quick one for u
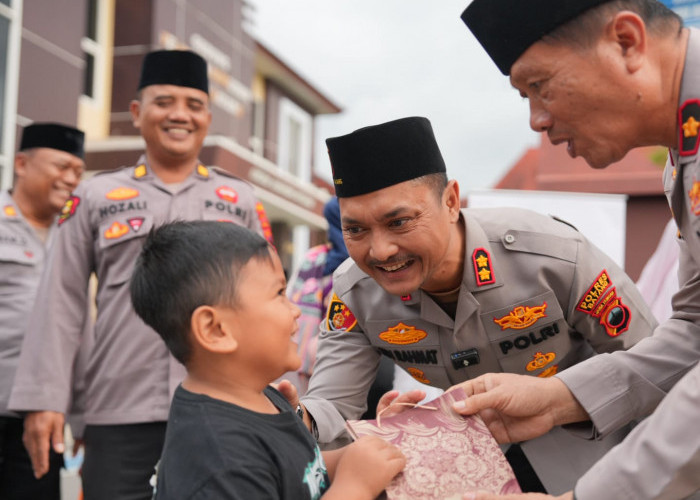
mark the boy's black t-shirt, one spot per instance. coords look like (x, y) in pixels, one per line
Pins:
(217, 450)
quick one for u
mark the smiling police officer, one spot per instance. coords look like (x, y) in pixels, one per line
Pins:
(47, 167)
(450, 294)
(605, 77)
(130, 373)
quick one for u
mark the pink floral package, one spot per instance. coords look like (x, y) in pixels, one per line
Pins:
(446, 454)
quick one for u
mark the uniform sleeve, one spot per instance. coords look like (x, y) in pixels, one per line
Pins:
(659, 459)
(346, 365)
(638, 379)
(44, 374)
(605, 306)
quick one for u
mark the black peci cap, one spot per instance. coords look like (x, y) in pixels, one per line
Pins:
(183, 68)
(380, 156)
(507, 28)
(55, 136)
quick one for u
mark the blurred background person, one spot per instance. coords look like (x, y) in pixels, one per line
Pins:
(47, 168)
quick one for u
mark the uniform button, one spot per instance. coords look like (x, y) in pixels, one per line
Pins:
(509, 238)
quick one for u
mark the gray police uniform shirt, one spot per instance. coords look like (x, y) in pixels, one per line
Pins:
(22, 255)
(536, 298)
(130, 374)
(660, 459)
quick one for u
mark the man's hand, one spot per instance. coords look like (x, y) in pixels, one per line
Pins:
(43, 430)
(481, 495)
(519, 407)
(289, 391)
(393, 402)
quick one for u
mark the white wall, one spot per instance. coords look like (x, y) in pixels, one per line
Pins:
(602, 218)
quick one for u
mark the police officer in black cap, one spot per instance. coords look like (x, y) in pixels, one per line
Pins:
(47, 168)
(604, 77)
(130, 374)
(449, 294)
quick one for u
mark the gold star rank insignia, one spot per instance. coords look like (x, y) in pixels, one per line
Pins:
(140, 171)
(483, 272)
(689, 127)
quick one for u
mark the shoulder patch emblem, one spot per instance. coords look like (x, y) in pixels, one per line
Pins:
(140, 171)
(594, 293)
(10, 211)
(483, 271)
(202, 171)
(522, 317)
(688, 125)
(402, 334)
(339, 318)
(264, 222)
(601, 301)
(68, 209)
(227, 194)
(116, 230)
(122, 193)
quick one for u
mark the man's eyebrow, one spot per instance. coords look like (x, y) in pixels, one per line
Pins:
(389, 215)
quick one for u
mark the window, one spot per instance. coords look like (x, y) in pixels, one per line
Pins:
(92, 50)
(295, 140)
(10, 32)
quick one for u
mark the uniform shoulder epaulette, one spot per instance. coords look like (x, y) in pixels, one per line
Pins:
(689, 127)
(564, 222)
(347, 276)
(226, 173)
(112, 170)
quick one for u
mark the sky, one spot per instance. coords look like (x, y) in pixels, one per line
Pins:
(380, 60)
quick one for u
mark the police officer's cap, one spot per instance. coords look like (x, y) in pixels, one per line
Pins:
(55, 136)
(379, 156)
(183, 68)
(507, 28)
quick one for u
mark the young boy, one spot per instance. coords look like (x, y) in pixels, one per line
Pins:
(215, 293)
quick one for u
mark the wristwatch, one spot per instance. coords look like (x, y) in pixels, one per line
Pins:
(300, 413)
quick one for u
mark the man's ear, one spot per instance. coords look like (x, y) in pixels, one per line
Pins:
(451, 199)
(210, 332)
(20, 165)
(629, 32)
(135, 110)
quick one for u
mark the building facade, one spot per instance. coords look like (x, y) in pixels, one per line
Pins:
(263, 111)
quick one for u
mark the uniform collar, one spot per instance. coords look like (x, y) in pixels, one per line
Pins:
(142, 171)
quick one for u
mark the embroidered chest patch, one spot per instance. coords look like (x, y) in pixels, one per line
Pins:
(522, 317)
(402, 334)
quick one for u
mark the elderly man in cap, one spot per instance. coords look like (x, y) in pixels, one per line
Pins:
(450, 294)
(130, 374)
(605, 77)
(48, 167)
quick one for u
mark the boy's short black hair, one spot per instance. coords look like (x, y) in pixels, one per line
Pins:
(184, 265)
